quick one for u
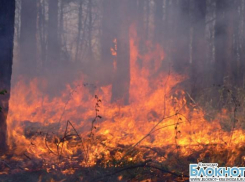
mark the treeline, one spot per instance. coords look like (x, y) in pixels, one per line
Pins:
(202, 38)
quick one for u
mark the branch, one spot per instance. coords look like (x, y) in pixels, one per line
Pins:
(144, 165)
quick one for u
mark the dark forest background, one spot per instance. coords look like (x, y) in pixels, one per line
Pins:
(59, 39)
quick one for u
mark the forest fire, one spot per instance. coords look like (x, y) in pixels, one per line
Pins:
(83, 129)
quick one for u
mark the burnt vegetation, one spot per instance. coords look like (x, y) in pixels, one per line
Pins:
(120, 90)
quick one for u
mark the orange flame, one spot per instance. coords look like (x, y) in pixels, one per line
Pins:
(158, 116)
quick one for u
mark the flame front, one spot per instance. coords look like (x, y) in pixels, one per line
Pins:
(158, 116)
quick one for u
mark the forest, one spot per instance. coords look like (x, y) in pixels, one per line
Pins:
(120, 90)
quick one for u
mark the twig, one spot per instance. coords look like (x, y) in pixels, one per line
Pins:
(6, 164)
(166, 171)
(27, 156)
(93, 121)
(149, 133)
(144, 165)
(121, 170)
(65, 136)
(71, 93)
(74, 129)
(96, 114)
(46, 144)
(63, 139)
(190, 97)
(166, 126)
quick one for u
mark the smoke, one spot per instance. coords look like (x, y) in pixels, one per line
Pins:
(62, 40)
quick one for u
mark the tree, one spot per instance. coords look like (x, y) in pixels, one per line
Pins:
(79, 29)
(178, 34)
(121, 82)
(7, 14)
(90, 29)
(108, 34)
(236, 36)
(28, 43)
(158, 18)
(41, 32)
(141, 28)
(53, 50)
(222, 54)
(198, 45)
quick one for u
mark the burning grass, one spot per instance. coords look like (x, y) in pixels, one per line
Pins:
(110, 142)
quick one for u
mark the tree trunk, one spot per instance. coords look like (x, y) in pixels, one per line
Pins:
(239, 65)
(158, 18)
(42, 35)
(79, 28)
(198, 46)
(221, 38)
(61, 30)
(7, 14)
(53, 51)
(147, 4)
(28, 46)
(108, 35)
(141, 29)
(120, 86)
(179, 33)
(90, 58)
(242, 46)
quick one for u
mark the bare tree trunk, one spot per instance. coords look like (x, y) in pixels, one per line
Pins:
(242, 45)
(158, 18)
(53, 48)
(141, 29)
(42, 35)
(17, 20)
(234, 30)
(147, 19)
(198, 46)
(28, 43)
(61, 28)
(7, 14)
(221, 38)
(238, 71)
(179, 26)
(108, 35)
(79, 29)
(90, 30)
(120, 86)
